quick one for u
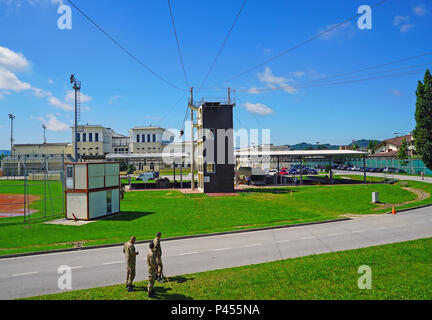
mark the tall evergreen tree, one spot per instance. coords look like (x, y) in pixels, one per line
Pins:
(403, 153)
(423, 115)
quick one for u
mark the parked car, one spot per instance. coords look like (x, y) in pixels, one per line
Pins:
(313, 171)
(293, 171)
(272, 172)
(155, 174)
(284, 172)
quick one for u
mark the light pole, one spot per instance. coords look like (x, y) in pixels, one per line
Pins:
(44, 129)
(77, 87)
(11, 117)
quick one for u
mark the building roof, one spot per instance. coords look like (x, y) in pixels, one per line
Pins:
(301, 153)
(389, 154)
(397, 141)
(56, 144)
(147, 128)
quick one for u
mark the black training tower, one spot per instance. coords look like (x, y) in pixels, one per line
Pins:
(215, 133)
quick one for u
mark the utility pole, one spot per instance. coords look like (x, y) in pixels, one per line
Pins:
(44, 129)
(192, 107)
(77, 88)
(229, 95)
(11, 117)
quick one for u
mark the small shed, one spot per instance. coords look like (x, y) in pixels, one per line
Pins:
(92, 190)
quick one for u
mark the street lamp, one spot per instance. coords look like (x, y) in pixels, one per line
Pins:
(77, 87)
(11, 117)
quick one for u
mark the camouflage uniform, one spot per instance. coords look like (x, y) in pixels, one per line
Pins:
(151, 267)
(130, 255)
(158, 253)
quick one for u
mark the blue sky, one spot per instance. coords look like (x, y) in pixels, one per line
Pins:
(36, 59)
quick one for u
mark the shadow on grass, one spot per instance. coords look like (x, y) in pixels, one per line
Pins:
(163, 293)
(179, 279)
(127, 216)
(270, 190)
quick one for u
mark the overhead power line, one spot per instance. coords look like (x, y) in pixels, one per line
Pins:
(318, 35)
(222, 46)
(125, 50)
(178, 44)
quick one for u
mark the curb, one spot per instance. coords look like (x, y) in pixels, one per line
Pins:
(409, 209)
(15, 255)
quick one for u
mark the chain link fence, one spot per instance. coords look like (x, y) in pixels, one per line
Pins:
(31, 188)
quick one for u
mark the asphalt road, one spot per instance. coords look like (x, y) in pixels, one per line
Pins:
(37, 275)
(384, 175)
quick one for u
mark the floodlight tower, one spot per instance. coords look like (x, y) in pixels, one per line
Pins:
(11, 117)
(77, 87)
(44, 129)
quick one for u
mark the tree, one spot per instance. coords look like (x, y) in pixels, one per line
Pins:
(403, 153)
(355, 146)
(123, 166)
(372, 144)
(423, 115)
(131, 169)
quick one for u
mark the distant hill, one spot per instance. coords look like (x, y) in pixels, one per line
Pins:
(362, 143)
(5, 152)
(309, 146)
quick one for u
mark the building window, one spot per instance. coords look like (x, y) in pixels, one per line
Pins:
(78, 137)
(148, 138)
(90, 137)
(84, 137)
(143, 138)
(97, 137)
(154, 137)
(137, 138)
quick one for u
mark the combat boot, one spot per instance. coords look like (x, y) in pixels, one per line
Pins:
(151, 294)
(130, 289)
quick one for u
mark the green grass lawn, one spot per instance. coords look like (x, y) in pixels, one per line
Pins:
(175, 214)
(399, 271)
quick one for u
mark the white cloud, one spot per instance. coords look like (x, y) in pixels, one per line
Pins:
(420, 11)
(41, 93)
(346, 29)
(50, 81)
(298, 74)
(9, 81)
(395, 92)
(52, 123)
(55, 102)
(403, 23)
(401, 19)
(258, 108)
(70, 97)
(405, 27)
(12, 60)
(112, 99)
(253, 90)
(274, 82)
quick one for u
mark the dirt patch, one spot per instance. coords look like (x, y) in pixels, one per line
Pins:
(421, 195)
(12, 205)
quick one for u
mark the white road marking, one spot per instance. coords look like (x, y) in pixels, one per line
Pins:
(113, 262)
(400, 225)
(380, 228)
(282, 241)
(253, 245)
(307, 238)
(23, 274)
(187, 253)
(358, 231)
(335, 234)
(78, 267)
(222, 249)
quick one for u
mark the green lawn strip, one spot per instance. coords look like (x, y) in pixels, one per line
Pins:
(176, 214)
(399, 271)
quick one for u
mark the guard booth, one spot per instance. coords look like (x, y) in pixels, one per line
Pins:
(92, 190)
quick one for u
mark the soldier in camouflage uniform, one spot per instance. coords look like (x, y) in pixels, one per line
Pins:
(158, 252)
(130, 255)
(152, 269)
